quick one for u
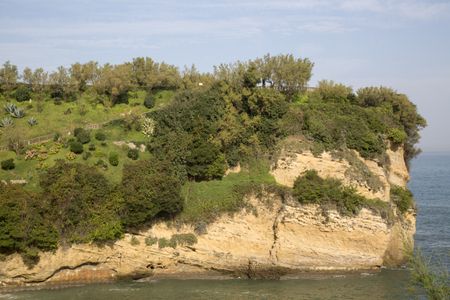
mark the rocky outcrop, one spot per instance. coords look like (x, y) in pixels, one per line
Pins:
(275, 237)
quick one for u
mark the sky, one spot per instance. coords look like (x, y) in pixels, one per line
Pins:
(403, 44)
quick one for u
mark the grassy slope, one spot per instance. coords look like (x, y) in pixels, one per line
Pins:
(53, 119)
(208, 199)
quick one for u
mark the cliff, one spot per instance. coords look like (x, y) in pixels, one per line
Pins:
(270, 238)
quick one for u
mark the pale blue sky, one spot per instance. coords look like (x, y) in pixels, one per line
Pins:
(404, 44)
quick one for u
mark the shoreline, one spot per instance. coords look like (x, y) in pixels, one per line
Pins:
(205, 275)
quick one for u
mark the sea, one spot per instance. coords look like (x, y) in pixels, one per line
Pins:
(430, 184)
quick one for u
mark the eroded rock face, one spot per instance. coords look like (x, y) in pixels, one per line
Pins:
(275, 235)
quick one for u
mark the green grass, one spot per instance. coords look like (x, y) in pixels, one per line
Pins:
(53, 118)
(204, 201)
(28, 169)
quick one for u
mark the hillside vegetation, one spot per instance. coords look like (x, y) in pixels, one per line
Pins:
(129, 144)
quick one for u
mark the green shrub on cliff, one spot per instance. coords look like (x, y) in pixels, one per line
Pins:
(149, 189)
(402, 197)
(311, 188)
(24, 225)
(84, 207)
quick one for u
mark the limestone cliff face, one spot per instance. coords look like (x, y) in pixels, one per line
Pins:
(274, 237)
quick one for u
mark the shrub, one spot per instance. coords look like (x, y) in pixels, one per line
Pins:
(25, 227)
(101, 164)
(397, 136)
(164, 243)
(310, 188)
(402, 197)
(185, 239)
(114, 159)
(84, 207)
(100, 136)
(77, 131)
(149, 188)
(133, 154)
(8, 164)
(76, 147)
(151, 240)
(149, 101)
(22, 93)
(56, 136)
(91, 147)
(134, 241)
(70, 156)
(84, 136)
(86, 155)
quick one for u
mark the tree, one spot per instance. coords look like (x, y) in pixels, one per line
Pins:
(83, 75)
(8, 77)
(114, 82)
(62, 86)
(330, 91)
(290, 75)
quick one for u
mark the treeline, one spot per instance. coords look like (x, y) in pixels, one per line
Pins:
(113, 82)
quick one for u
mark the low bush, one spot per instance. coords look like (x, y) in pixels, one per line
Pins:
(77, 131)
(164, 243)
(133, 154)
(8, 164)
(149, 101)
(84, 136)
(185, 239)
(311, 188)
(151, 240)
(86, 155)
(76, 147)
(114, 159)
(91, 147)
(101, 164)
(22, 93)
(403, 198)
(149, 190)
(100, 136)
(134, 241)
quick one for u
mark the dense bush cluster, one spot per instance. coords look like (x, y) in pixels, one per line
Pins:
(78, 204)
(311, 188)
